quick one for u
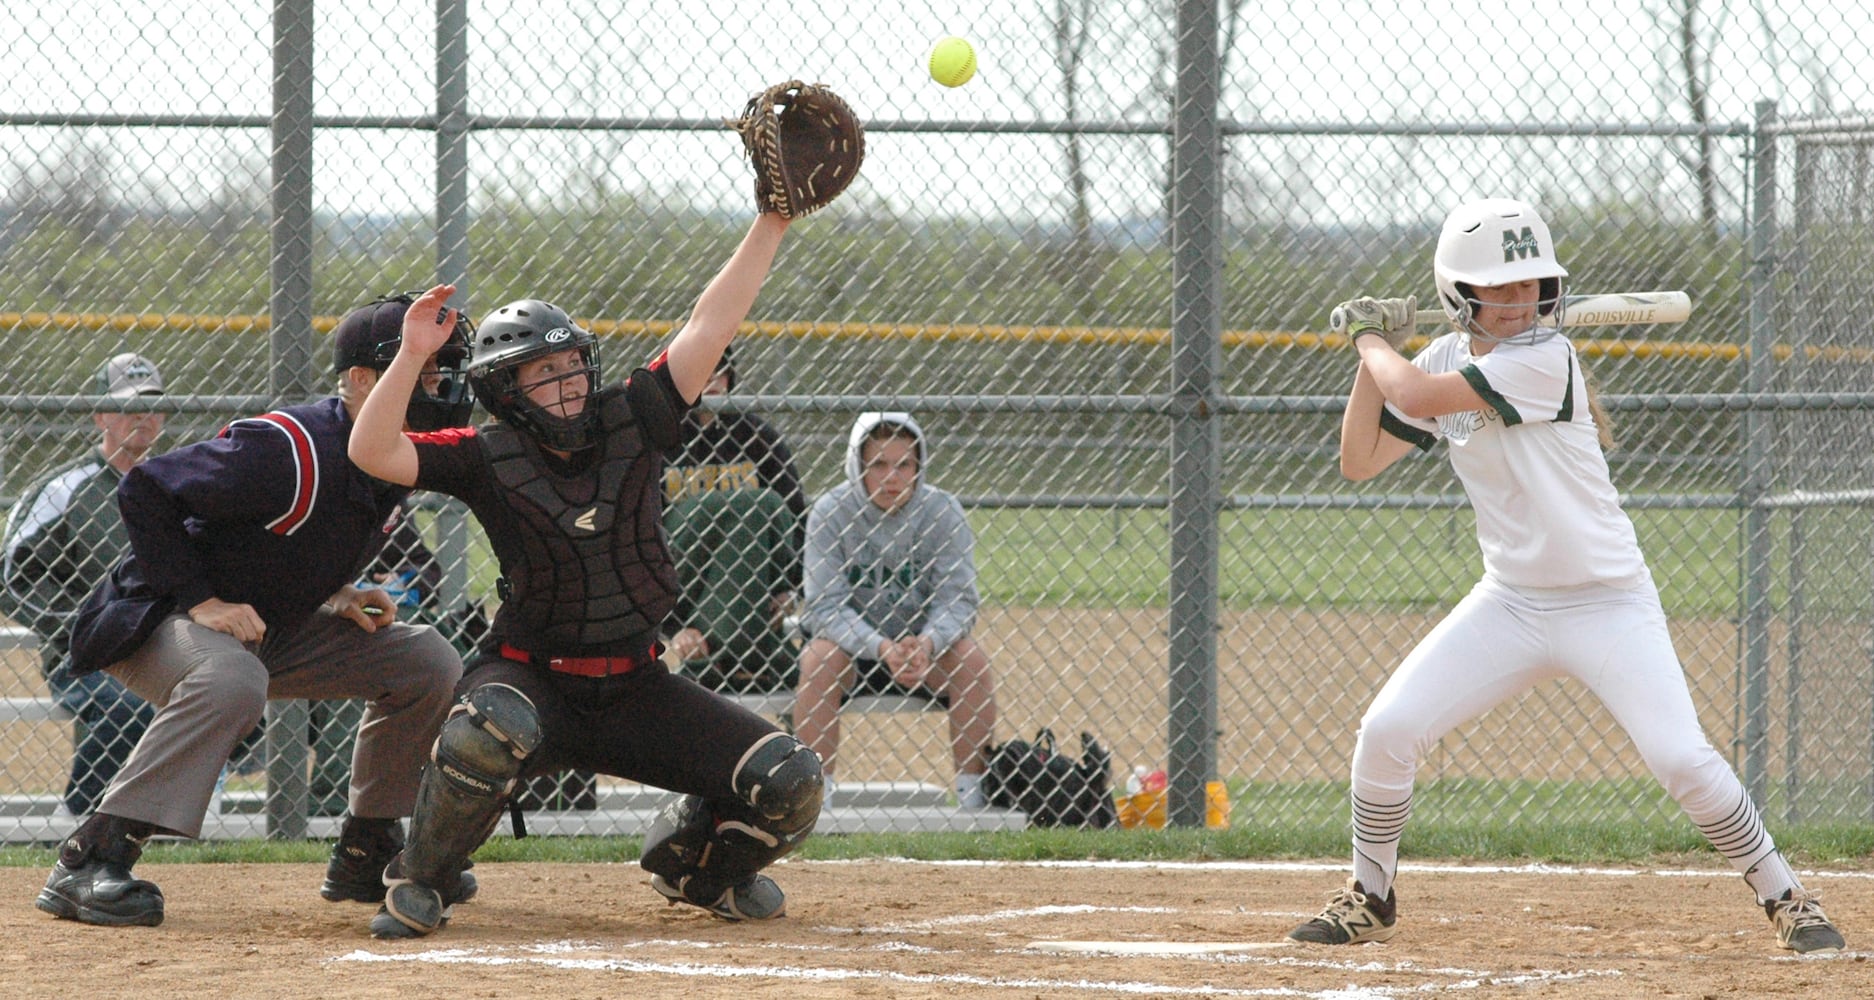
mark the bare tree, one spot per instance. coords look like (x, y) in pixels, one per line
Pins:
(1692, 64)
(1070, 25)
(71, 187)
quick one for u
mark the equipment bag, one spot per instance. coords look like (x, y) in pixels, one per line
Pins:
(1052, 788)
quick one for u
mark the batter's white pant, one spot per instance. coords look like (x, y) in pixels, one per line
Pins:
(1501, 641)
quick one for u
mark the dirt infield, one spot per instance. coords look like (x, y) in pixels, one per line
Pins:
(915, 930)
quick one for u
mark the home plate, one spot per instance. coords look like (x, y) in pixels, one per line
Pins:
(1157, 947)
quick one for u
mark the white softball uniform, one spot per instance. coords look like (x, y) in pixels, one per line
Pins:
(1565, 593)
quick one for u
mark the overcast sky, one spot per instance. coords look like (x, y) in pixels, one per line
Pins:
(1469, 61)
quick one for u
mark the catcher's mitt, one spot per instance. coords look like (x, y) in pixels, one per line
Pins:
(805, 143)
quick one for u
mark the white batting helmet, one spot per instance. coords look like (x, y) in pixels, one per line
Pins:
(1497, 241)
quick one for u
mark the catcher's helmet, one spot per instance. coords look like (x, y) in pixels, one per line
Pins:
(1497, 241)
(369, 336)
(520, 332)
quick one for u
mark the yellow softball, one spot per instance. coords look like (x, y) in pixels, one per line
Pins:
(952, 61)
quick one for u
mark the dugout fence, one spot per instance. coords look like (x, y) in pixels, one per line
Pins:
(1106, 305)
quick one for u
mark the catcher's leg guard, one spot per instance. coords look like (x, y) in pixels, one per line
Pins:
(473, 769)
(708, 852)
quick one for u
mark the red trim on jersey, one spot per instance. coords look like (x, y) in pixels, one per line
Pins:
(305, 469)
(661, 361)
(451, 436)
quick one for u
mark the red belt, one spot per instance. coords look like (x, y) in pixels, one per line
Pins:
(582, 666)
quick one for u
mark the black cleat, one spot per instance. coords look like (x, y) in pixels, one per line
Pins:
(1801, 926)
(103, 893)
(1352, 916)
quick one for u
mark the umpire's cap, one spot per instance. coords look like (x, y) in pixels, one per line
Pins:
(369, 335)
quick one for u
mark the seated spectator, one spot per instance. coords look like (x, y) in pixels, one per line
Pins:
(62, 537)
(890, 598)
(734, 515)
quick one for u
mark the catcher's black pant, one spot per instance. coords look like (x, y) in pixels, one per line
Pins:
(648, 726)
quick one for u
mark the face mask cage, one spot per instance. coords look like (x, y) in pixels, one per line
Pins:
(1551, 310)
(450, 404)
(503, 395)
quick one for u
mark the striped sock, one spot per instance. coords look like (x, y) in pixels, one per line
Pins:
(1376, 830)
(1739, 835)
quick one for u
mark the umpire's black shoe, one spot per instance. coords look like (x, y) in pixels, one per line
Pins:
(92, 883)
(103, 893)
(356, 872)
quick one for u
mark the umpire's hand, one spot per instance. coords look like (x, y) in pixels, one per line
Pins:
(238, 620)
(371, 607)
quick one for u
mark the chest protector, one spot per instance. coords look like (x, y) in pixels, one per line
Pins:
(595, 568)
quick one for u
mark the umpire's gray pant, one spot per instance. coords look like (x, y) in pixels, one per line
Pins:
(210, 690)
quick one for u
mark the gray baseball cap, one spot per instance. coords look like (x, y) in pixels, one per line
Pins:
(128, 375)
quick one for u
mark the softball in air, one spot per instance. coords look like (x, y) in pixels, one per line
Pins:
(952, 61)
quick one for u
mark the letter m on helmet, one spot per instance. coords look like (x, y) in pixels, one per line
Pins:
(1520, 246)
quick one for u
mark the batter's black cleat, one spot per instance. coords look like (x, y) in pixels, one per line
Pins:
(1352, 916)
(356, 872)
(1801, 926)
(755, 898)
(92, 884)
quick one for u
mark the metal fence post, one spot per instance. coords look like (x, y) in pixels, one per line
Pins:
(1758, 428)
(291, 376)
(1196, 337)
(452, 148)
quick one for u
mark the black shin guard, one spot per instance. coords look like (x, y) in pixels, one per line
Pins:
(472, 770)
(704, 847)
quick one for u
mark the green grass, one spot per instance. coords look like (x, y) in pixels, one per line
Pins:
(1629, 822)
(1326, 559)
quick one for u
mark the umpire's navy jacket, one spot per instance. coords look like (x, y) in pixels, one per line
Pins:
(270, 513)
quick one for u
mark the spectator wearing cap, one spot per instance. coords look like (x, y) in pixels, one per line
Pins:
(240, 587)
(736, 517)
(61, 538)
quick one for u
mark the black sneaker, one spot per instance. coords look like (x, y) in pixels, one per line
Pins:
(103, 893)
(356, 872)
(413, 909)
(754, 898)
(410, 910)
(1352, 916)
(1801, 926)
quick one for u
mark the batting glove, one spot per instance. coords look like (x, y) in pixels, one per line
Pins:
(1393, 319)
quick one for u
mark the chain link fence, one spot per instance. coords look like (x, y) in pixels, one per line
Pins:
(1110, 326)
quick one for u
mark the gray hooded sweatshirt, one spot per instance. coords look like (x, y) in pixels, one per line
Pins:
(870, 576)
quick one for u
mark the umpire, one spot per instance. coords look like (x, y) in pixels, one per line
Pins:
(238, 589)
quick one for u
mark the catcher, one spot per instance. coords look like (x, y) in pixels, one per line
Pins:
(567, 483)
